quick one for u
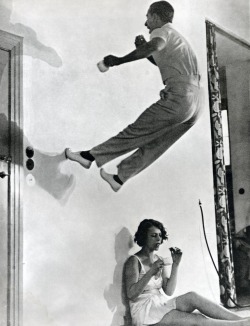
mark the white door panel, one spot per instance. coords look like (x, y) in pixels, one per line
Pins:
(10, 176)
(4, 183)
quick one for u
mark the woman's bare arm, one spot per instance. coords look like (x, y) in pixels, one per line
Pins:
(169, 283)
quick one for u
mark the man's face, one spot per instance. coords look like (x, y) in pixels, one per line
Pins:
(151, 21)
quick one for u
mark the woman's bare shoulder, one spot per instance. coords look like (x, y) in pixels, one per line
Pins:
(132, 264)
(132, 260)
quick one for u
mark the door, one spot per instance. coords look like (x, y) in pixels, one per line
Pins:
(4, 183)
(10, 176)
(228, 81)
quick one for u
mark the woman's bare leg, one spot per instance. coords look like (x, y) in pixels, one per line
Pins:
(180, 318)
(191, 301)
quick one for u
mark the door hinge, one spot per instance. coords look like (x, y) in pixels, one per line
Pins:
(3, 174)
(5, 158)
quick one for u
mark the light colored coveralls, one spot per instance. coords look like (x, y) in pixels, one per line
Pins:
(164, 122)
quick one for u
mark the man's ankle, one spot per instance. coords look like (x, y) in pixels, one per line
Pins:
(86, 155)
(117, 179)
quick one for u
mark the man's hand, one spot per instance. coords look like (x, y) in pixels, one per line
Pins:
(111, 61)
(163, 94)
(139, 40)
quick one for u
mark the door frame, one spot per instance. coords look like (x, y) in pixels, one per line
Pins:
(223, 225)
(14, 46)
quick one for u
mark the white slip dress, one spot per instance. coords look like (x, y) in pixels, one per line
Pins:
(152, 304)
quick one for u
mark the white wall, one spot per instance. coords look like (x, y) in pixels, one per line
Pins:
(75, 228)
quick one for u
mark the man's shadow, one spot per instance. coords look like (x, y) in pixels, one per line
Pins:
(47, 171)
(114, 293)
(48, 167)
(33, 47)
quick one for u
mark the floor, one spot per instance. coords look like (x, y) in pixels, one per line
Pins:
(243, 312)
(243, 300)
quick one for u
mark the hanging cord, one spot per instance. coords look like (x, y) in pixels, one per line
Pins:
(210, 254)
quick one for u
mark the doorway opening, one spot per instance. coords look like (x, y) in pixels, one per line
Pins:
(229, 98)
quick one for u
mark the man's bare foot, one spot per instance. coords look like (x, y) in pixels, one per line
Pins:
(76, 157)
(110, 180)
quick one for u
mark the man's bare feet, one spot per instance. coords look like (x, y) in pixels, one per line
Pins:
(76, 157)
(110, 179)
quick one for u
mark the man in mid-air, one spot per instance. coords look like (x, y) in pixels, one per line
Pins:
(165, 121)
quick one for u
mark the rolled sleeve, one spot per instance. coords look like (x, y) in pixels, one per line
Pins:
(158, 33)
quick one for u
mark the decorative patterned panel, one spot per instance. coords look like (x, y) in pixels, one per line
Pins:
(224, 244)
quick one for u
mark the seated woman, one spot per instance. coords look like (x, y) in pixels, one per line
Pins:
(148, 288)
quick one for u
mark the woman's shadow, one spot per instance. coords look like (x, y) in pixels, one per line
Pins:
(114, 293)
(47, 172)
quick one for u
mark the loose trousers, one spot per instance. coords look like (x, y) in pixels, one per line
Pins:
(155, 130)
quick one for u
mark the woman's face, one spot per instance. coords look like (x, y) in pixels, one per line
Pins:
(154, 238)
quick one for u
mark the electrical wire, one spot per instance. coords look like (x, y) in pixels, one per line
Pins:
(210, 254)
(203, 249)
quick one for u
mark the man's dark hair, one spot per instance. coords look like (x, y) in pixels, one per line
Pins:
(142, 232)
(163, 9)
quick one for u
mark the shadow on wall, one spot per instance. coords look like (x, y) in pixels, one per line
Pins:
(47, 171)
(113, 293)
(33, 47)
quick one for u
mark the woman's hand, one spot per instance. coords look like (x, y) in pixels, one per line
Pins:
(157, 266)
(176, 254)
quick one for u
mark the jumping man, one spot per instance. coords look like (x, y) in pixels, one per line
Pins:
(165, 121)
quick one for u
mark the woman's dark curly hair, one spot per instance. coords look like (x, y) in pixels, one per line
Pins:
(141, 233)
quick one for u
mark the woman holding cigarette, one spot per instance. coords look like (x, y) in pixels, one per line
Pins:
(149, 288)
